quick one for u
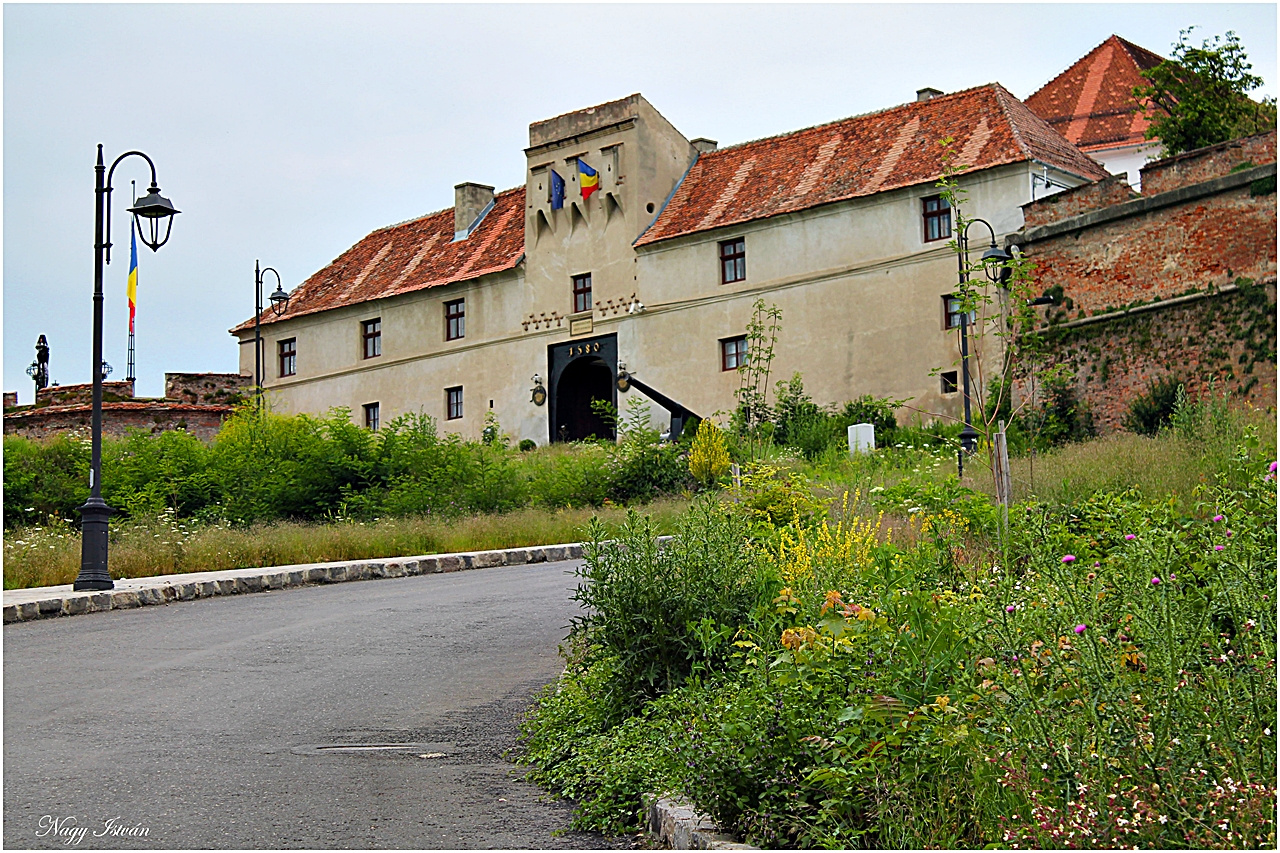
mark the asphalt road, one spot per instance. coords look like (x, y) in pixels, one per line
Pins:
(208, 723)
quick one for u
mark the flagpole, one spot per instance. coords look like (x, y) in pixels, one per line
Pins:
(134, 247)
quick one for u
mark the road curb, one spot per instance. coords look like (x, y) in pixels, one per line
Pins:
(24, 605)
(679, 827)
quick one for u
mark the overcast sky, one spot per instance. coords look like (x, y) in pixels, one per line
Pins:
(289, 132)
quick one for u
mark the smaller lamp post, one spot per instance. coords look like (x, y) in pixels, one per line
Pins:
(279, 304)
(993, 264)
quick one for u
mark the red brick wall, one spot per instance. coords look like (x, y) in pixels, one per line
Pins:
(214, 388)
(1228, 339)
(117, 419)
(67, 395)
(1204, 164)
(1082, 199)
(1194, 245)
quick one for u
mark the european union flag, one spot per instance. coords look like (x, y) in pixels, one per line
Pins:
(557, 191)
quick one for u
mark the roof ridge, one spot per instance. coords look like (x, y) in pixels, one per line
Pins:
(429, 215)
(1014, 128)
(883, 111)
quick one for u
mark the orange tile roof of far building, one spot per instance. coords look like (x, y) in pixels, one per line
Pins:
(411, 256)
(860, 156)
(1092, 103)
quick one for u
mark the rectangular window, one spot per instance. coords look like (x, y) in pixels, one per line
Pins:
(733, 353)
(288, 357)
(371, 416)
(733, 261)
(951, 309)
(453, 403)
(937, 218)
(949, 383)
(582, 293)
(455, 319)
(372, 336)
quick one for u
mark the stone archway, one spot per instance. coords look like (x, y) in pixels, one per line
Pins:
(583, 380)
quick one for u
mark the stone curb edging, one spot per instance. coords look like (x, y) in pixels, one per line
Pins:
(679, 827)
(140, 592)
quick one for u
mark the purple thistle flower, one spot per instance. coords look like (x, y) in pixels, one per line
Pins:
(1217, 547)
(1272, 467)
(1155, 581)
(1129, 537)
(1069, 559)
(1080, 629)
(1219, 518)
(1010, 609)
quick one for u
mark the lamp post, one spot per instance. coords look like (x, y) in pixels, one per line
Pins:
(993, 264)
(151, 213)
(279, 304)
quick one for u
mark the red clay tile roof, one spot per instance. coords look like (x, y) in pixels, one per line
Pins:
(411, 256)
(859, 156)
(1092, 103)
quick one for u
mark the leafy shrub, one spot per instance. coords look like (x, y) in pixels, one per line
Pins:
(709, 456)
(1152, 410)
(877, 411)
(145, 474)
(1062, 417)
(662, 612)
(641, 471)
(44, 479)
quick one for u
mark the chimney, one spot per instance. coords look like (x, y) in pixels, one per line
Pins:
(470, 203)
(704, 145)
(926, 94)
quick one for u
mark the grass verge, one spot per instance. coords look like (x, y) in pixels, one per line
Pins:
(49, 555)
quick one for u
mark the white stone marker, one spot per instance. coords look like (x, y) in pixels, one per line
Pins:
(862, 438)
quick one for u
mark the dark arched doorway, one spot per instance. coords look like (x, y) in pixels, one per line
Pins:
(584, 380)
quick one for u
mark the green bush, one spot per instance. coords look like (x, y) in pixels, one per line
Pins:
(44, 479)
(663, 612)
(1152, 410)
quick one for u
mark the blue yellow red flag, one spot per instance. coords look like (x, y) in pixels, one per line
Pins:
(588, 179)
(133, 274)
(557, 191)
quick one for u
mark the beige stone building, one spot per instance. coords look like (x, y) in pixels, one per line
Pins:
(655, 262)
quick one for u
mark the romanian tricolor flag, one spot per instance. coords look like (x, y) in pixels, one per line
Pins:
(588, 179)
(133, 274)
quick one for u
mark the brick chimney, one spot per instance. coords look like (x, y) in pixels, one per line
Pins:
(926, 94)
(470, 202)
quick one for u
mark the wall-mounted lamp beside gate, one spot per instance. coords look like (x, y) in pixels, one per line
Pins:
(539, 393)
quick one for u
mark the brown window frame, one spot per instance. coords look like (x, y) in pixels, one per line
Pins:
(372, 416)
(733, 260)
(939, 214)
(455, 319)
(287, 358)
(371, 336)
(581, 292)
(950, 316)
(730, 351)
(453, 412)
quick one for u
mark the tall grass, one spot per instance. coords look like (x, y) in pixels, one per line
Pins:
(1169, 465)
(49, 555)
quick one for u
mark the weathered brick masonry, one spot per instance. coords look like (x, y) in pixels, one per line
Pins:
(196, 402)
(1178, 281)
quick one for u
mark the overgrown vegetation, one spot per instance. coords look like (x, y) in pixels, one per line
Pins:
(1200, 96)
(868, 659)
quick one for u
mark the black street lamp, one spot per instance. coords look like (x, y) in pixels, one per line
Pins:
(279, 304)
(993, 264)
(152, 213)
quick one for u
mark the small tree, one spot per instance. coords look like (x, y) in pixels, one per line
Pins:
(1001, 330)
(1199, 97)
(708, 457)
